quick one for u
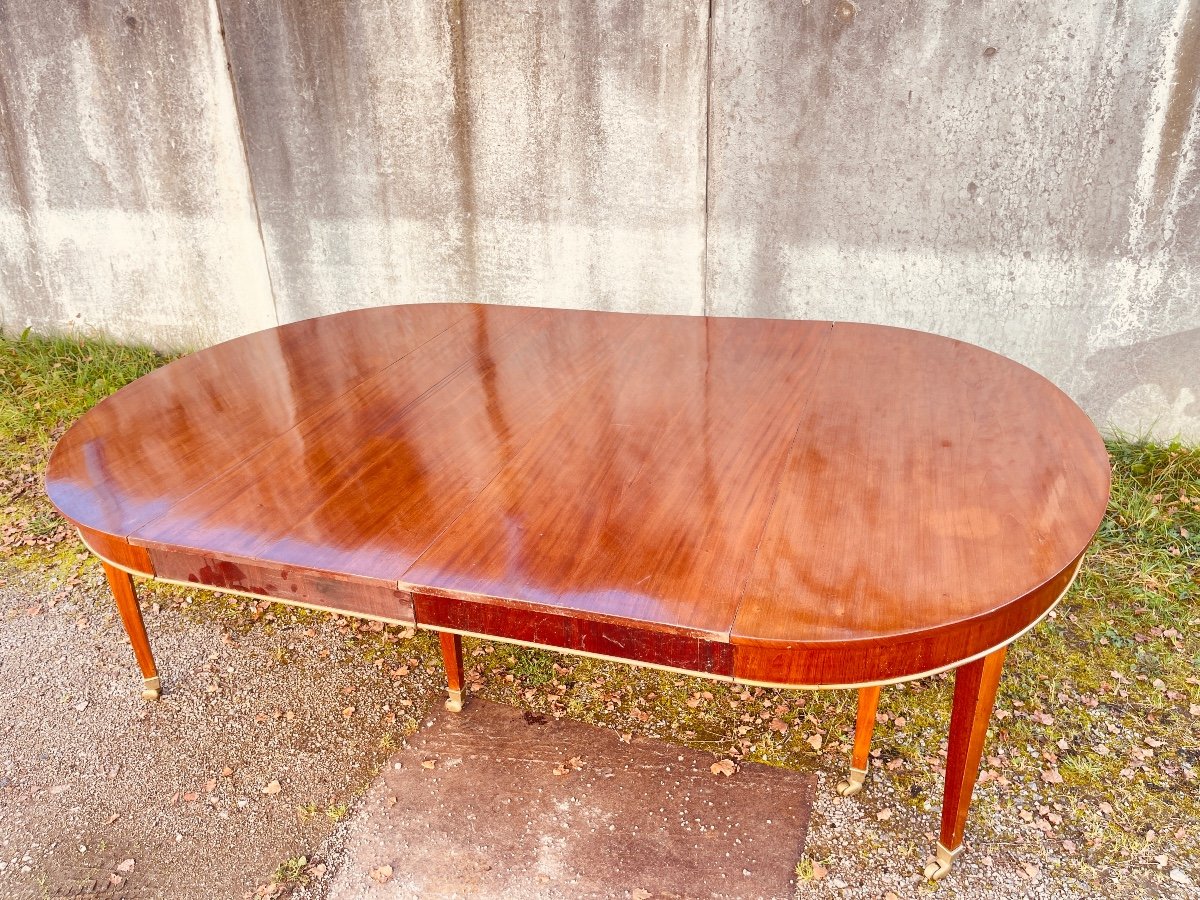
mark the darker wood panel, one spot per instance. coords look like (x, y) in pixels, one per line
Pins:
(630, 641)
(643, 499)
(160, 438)
(884, 659)
(287, 583)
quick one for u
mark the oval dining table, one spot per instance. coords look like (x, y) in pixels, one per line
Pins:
(792, 504)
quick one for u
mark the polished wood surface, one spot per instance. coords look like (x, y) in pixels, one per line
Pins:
(864, 727)
(131, 617)
(789, 503)
(975, 686)
(782, 502)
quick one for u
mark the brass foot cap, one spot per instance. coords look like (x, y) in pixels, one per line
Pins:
(455, 703)
(939, 867)
(853, 784)
(152, 688)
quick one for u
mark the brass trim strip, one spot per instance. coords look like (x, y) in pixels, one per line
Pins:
(713, 676)
(633, 662)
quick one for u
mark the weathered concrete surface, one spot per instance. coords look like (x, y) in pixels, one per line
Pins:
(513, 804)
(124, 197)
(1020, 176)
(513, 152)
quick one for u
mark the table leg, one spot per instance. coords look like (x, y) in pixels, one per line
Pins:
(864, 726)
(974, 694)
(452, 657)
(131, 615)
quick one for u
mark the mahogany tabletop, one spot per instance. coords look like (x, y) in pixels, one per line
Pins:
(781, 502)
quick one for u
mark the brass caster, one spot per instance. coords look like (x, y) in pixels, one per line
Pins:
(455, 703)
(853, 784)
(939, 867)
(151, 688)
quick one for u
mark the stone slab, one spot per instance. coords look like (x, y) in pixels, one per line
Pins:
(520, 805)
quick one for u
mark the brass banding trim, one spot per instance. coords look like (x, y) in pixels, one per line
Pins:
(585, 653)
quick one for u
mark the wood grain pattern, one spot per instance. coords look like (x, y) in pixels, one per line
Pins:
(975, 686)
(785, 502)
(117, 550)
(452, 657)
(131, 617)
(609, 639)
(160, 438)
(864, 727)
(292, 584)
(643, 500)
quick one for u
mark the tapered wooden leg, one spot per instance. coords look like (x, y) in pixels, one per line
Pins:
(974, 694)
(131, 615)
(452, 656)
(864, 726)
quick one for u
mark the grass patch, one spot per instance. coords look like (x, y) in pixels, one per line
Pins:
(291, 871)
(48, 382)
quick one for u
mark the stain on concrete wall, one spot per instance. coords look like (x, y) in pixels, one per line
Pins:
(124, 197)
(1023, 176)
(1017, 175)
(514, 151)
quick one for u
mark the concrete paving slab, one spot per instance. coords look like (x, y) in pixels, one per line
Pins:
(497, 802)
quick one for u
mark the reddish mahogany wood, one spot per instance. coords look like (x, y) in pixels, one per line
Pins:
(896, 657)
(118, 550)
(936, 489)
(363, 487)
(376, 599)
(616, 640)
(864, 727)
(452, 656)
(643, 499)
(160, 438)
(131, 617)
(975, 687)
(786, 502)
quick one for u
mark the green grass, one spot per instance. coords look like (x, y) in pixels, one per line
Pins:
(291, 871)
(1100, 695)
(48, 382)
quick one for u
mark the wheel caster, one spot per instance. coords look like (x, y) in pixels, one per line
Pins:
(455, 702)
(152, 688)
(853, 784)
(936, 871)
(939, 867)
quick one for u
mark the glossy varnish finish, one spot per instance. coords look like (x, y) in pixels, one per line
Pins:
(790, 503)
(836, 503)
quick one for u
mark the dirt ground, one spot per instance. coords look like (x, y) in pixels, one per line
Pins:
(255, 751)
(246, 779)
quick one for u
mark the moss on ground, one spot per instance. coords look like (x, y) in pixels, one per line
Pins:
(1096, 737)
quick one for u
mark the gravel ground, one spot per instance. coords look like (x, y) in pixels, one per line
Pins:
(101, 793)
(92, 777)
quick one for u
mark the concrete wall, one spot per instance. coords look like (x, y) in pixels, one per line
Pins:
(1022, 176)
(124, 201)
(1019, 175)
